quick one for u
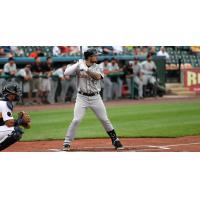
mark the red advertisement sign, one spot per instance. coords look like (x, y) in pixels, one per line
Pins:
(192, 79)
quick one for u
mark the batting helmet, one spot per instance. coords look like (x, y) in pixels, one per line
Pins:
(90, 52)
(12, 88)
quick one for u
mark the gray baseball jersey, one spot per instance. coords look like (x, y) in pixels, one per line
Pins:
(136, 69)
(87, 84)
(147, 67)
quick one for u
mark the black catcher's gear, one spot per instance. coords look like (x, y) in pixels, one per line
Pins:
(12, 88)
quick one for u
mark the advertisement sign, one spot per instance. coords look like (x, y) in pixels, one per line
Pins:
(192, 79)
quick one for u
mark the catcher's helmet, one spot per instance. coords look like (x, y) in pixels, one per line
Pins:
(90, 52)
(12, 88)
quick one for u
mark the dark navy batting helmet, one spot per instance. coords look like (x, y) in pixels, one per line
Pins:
(90, 52)
(12, 88)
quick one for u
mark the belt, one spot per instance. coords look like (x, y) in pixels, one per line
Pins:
(88, 94)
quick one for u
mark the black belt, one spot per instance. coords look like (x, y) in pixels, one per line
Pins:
(88, 94)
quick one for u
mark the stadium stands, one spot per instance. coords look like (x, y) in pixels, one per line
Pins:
(168, 68)
(183, 55)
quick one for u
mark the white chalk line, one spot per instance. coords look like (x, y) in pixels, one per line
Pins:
(56, 150)
(146, 147)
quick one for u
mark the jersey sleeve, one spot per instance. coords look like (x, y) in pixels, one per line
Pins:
(71, 69)
(6, 112)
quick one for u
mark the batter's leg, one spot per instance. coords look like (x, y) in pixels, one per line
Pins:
(99, 109)
(79, 112)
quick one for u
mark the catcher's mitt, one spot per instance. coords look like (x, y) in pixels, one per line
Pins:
(26, 119)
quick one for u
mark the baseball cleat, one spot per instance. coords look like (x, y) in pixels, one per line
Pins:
(118, 145)
(66, 147)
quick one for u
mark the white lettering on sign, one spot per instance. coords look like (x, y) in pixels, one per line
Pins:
(192, 78)
(199, 78)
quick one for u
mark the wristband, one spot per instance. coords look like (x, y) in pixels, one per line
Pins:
(18, 122)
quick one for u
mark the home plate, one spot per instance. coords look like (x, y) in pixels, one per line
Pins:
(56, 150)
(159, 147)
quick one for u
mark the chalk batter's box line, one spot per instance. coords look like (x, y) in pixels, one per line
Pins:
(146, 147)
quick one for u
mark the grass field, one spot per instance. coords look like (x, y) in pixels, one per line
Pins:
(147, 120)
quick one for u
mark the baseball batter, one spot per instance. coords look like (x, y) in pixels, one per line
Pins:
(89, 76)
(10, 130)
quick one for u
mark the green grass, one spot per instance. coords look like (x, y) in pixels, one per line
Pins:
(147, 120)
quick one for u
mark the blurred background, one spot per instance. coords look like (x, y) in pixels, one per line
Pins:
(131, 72)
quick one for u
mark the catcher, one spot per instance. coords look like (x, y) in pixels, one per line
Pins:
(10, 128)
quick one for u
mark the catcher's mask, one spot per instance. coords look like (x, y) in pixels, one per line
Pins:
(12, 89)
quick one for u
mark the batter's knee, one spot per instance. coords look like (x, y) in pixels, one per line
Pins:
(76, 121)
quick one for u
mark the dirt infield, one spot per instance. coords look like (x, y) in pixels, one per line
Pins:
(182, 144)
(166, 99)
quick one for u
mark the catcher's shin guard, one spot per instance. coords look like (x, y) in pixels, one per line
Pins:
(11, 138)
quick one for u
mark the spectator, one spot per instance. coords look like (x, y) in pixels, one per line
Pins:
(7, 49)
(24, 77)
(152, 51)
(57, 75)
(107, 50)
(144, 51)
(128, 49)
(36, 82)
(66, 83)
(84, 48)
(10, 67)
(1, 79)
(147, 73)
(37, 53)
(128, 72)
(2, 53)
(65, 50)
(117, 49)
(137, 77)
(107, 84)
(116, 80)
(136, 51)
(17, 51)
(163, 52)
(46, 80)
(195, 49)
(56, 51)
(74, 50)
